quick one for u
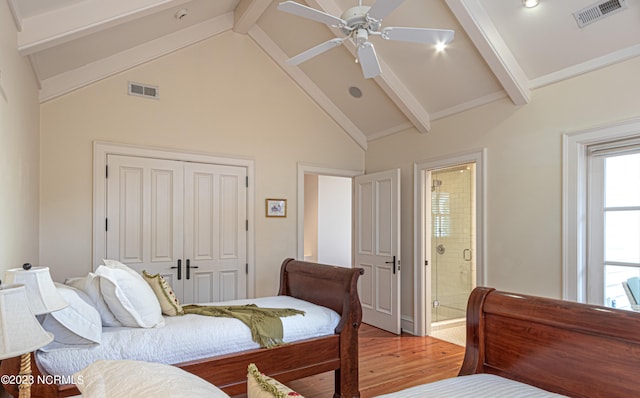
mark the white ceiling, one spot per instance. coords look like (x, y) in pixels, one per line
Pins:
(500, 50)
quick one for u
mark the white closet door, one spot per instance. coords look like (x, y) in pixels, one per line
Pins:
(215, 233)
(145, 215)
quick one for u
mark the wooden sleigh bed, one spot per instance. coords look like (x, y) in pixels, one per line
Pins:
(327, 286)
(573, 349)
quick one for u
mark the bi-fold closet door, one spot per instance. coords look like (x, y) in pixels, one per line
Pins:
(184, 220)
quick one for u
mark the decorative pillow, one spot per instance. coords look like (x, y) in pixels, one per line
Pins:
(130, 298)
(116, 379)
(90, 285)
(79, 323)
(168, 301)
(262, 386)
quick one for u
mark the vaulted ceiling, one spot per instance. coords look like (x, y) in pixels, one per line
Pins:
(500, 50)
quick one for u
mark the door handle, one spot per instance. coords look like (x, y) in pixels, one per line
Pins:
(189, 266)
(179, 267)
(392, 262)
(466, 254)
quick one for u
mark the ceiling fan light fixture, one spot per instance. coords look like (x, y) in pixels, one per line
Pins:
(530, 3)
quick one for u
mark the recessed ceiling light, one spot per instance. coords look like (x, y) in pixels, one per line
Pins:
(530, 3)
(355, 92)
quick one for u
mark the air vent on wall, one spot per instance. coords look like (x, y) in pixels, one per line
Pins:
(599, 10)
(143, 90)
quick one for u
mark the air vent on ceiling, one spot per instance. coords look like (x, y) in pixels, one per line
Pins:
(599, 10)
(143, 90)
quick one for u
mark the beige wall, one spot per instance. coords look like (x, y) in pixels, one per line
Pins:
(223, 96)
(19, 152)
(524, 171)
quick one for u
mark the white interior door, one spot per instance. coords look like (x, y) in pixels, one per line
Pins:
(377, 247)
(215, 233)
(145, 215)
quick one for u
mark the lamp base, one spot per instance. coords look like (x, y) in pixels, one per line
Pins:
(24, 389)
(12, 366)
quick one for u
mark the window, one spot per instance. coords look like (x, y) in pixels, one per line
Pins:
(441, 217)
(600, 212)
(613, 225)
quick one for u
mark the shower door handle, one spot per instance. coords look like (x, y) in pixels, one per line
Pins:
(392, 262)
(466, 254)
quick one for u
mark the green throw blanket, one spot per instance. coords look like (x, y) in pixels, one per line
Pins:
(265, 323)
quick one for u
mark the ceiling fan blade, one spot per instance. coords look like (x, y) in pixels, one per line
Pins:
(418, 35)
(382, 8)
(317, 50)
(310, 13)
(368, 60)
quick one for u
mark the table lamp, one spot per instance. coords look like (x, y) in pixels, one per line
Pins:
(20, 332)
(42, 298)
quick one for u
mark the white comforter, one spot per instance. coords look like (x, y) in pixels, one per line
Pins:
(477, 386)
(189, 337)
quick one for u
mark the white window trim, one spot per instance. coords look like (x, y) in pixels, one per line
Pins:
(574, 207)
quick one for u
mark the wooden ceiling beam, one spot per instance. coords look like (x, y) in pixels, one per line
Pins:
(247, 14)
(80, 19)
(484, 35)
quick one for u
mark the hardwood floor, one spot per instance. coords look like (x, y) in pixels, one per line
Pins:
(390, 363)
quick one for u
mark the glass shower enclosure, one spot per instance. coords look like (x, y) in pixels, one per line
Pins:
(453, 271)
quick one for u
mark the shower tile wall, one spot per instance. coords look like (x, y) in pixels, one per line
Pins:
(455, 276)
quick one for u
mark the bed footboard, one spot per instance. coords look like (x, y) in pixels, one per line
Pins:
(335, 288)
(574, 349)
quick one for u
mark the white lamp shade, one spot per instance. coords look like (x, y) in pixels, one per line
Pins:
(20, 331)
(42, 293)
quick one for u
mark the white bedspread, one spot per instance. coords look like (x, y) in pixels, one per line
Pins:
(477, 386)
(189, 337)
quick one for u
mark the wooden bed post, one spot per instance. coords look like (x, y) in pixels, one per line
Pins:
(474, 350)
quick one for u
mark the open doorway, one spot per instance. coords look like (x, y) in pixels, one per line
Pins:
(325, 221)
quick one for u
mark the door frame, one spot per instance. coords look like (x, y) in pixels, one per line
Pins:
(422, 278)
(102, 149)
(306, 168)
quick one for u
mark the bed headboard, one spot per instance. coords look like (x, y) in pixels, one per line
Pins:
(569, 348)
(326, 285)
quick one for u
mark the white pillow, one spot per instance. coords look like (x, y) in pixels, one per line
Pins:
(90, 285)
(117, 379)
(79, 323)
(130, 298)
(117, 264)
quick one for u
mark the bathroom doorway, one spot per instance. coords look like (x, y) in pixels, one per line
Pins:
(453, 270)
(449, 218)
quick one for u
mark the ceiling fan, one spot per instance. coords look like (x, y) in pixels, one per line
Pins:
(358, 24)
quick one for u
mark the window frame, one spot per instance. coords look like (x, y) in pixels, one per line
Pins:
(575, 180)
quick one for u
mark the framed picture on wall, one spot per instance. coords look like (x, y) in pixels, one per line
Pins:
(276, 207)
